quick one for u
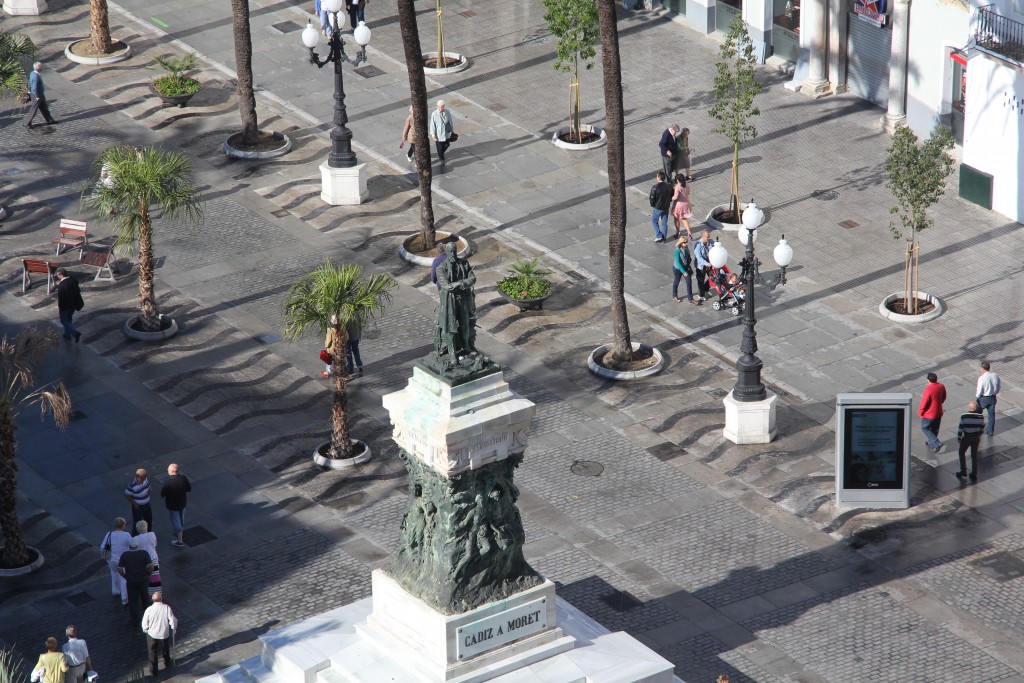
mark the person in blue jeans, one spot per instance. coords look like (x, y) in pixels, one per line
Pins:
(661, 199)
(988, 387)
(682, 266)
(352, 358)
(930, 410)
(356, 12)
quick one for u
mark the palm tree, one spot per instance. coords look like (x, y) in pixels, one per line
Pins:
(622, 345)
(99, 26)
(331, 297)
(243, 69)
(418, 95)
(18, 358)
(144, 179)
(15, 51)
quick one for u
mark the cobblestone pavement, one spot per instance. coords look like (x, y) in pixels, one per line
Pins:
(726, 559)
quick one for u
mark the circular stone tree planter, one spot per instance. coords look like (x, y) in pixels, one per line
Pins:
(716, 224)
(652, 365)
(121, 52)
(455, 64)
(439, 236)
(936, 305)
(271, 145)
(361, 453)
(168, 328)
(601, 141)
(32, 566)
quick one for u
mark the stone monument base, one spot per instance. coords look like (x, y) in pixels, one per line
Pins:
(750, 422)
(343, 186)
(333, 647)
(24, 7)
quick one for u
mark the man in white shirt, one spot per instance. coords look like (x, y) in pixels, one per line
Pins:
(988, 387)
(159, 624)
(76, 653)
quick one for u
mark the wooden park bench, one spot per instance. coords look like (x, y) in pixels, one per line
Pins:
(34, 265)
(100, 258)
(73, 235)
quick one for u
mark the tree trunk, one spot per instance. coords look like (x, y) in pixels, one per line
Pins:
(99, 26)
(622, 347)
(734, 200)
(15, 554)
(341, 443)
(150, 316)
(243, 69)
(418, 95)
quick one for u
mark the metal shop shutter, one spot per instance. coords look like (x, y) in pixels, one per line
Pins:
(867, 71)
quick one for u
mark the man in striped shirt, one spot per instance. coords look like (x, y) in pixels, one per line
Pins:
(137, 493)
(968, 433)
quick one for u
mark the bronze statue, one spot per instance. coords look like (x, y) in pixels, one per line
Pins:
(455, 338)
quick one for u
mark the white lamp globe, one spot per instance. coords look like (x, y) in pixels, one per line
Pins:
(743, 234)
(362, 34)
(310, 36)
(783, 253)
(717, 255)
(332, 5)
(752, 216)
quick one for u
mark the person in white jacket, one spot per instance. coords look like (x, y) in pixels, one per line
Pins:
(159, 624)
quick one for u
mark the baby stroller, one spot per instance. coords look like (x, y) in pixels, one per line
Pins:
(731, 292)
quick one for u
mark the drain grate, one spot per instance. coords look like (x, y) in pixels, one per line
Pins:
(369, 71)
(533, 39)
(77, 415)
(718, 393)
(80, 598)
(280, 213)
(621, 601)
(587, 468)
(848, 224)
(268, 338)
(198, 535)
(575, 275)
(666, 451)
(285, 27)
(825, 195)
(775, 390)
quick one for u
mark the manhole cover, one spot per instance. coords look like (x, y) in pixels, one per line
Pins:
(268, 338)
(587, 468)
(80, 598)
(666, 451)
(825, 195)
(621, 601)
(1001, 566)
(369, 71)
(718, 393)
(848, 224)
(285, 26)
(198, 535)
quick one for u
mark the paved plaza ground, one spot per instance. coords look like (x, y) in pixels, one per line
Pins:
(723, 558)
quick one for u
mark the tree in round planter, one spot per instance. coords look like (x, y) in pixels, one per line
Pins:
(917, 179)
(575, 26)
(250, 140)
(144, 179)
(176, 86)
(15, 52)
(18, 390)
(526, 285)
(735, 87)
(330, 298)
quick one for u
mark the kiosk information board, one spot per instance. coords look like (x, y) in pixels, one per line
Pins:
(873, 450)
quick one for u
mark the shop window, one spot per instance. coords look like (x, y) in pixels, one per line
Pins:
(786, 29)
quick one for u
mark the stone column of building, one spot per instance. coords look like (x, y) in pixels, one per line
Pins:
(896, 114)
(838, 18)
(758, 15)
(700, 15)
(814, 24)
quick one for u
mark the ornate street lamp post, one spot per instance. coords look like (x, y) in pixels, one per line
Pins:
(344, 178)
(749, 388)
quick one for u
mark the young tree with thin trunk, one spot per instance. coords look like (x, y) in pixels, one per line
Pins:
(143, 180)
(99, 27)
(332, 297)
(917, 179)
(18, 359)
(574, 25)
(418, 95)
(243, 70)
(622, 345)
(735, 87)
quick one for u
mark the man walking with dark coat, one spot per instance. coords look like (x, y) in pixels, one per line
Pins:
(661, 199)
(135, 566)
(38, 90)
(968, 433)
(175, 494)
(69, 300)
(669, 157)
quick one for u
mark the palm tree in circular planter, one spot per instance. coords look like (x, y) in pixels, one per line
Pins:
(526, 285)
(144, 179)
(18, 390)
(330, 298)
(176, 86)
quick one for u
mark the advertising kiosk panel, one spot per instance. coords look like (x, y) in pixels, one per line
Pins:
(873, 450)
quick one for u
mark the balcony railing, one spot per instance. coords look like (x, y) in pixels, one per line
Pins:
(999, 35)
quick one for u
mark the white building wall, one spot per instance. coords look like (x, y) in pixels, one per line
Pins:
(936, 27)
(994, 130)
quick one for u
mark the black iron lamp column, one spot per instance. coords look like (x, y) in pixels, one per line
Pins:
(749, 387)
(341, 155)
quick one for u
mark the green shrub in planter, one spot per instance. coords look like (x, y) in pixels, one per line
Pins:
(177, 81)
(526, 280)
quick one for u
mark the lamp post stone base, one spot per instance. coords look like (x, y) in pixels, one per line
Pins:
(751, 421)
(344, 186)
(25, 7)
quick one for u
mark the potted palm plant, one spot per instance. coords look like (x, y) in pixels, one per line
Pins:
(144, 180)
(526, 285)
(330, 298)
(18, 390)
(176, 86)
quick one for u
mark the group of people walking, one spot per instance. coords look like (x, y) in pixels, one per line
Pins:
(440, 129)
(972, 423)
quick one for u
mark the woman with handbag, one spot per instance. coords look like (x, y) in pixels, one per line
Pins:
(51, 663)
(111, 547)
(682, 210)
(325, 355)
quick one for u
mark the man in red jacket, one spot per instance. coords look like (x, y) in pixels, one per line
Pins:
(930, 410)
